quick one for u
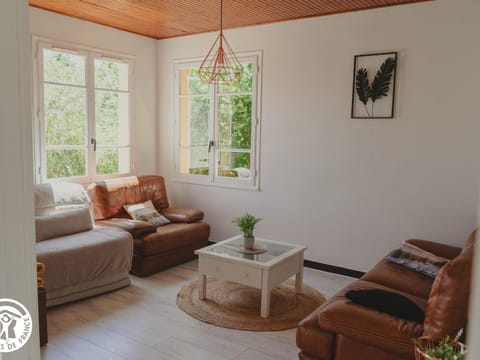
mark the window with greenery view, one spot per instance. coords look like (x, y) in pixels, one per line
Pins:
(216, 127)
(84, 109)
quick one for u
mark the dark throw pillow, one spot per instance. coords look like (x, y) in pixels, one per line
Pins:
(387, 302)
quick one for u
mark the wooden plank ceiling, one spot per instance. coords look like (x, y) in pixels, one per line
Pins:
(162, 19)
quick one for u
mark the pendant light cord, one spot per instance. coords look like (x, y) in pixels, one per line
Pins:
(221, 16)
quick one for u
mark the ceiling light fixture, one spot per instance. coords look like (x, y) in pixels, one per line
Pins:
(221, 65)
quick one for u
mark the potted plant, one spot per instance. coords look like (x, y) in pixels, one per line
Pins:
(246, 224)
(449, 348)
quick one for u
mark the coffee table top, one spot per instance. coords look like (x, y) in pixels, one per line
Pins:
(276, 251)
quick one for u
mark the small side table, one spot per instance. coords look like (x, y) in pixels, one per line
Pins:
(42, 315)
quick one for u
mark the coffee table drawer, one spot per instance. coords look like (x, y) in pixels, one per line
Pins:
(240, 273)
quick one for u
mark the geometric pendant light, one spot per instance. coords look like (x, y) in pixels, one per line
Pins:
(221, 65)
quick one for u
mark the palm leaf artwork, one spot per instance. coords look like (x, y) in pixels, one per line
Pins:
(381, 83)
(379, 87)
(362, 86)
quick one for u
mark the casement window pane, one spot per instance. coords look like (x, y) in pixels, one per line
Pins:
(65, 115)
(194, 117)
(216, 127)
(112, 115)
(190, 82)
(111, 75)
(66, 163)
(233, 164)
(235, 121)
(244, 85)
(63, 67)
(85, 120)
(194, 161)
(113, 161)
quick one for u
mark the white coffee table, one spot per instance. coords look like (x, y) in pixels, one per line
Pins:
(263, 271)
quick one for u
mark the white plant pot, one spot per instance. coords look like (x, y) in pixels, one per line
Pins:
(249, 242)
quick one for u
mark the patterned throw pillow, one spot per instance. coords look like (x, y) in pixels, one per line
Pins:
(418, 260)
(146, 212)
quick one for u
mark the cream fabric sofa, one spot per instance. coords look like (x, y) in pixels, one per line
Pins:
(81, 259)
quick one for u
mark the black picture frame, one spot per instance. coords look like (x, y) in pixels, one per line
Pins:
(374, 86)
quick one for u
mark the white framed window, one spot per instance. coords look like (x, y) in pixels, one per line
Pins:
(83, 101)
(217, 126)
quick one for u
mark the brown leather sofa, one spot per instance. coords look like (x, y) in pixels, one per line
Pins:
(154, 248)
(342, 330)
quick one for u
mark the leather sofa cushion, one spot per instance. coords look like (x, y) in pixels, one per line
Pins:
(372, 327)
(442, 250)
(182, 215)
(447, 308)
(399, 278)
(63, 223)
(136, 228)
(349, 349)
(109, 196)
(170, 237)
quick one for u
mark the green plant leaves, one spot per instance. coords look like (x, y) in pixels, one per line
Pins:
(246, 224)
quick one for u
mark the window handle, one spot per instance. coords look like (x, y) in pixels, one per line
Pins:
(210, 144)
(93, 141)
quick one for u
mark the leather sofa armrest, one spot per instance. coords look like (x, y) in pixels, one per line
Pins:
(443, 250)
(312, 341)
(136, 228)
(370, 327)
(182, 215)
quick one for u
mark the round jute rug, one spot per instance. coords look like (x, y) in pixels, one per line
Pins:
(236, 306)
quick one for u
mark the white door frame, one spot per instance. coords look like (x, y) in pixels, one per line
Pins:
(17, 238)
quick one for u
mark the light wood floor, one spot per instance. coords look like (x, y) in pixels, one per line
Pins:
(142, 321)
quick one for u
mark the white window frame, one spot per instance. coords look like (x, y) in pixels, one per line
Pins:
(90, 53)
(212, 179)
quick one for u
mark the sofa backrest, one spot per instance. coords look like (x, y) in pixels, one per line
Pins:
(56, 197)
(447, 307)
(109, 196)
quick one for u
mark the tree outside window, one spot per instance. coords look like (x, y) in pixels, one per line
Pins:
(216, 126)
(85, 128)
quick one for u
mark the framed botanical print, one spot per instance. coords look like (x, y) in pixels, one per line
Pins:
(373, 93)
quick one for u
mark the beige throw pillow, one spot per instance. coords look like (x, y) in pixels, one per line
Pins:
(146, 212)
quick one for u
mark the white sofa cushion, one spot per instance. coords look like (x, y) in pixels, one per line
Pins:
(54, 197)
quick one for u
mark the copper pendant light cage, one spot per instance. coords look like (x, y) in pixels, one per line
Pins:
(221, 65)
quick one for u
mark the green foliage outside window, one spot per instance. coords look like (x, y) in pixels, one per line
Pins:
(66, 113)
(234, 122)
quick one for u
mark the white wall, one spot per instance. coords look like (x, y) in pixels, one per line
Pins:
(351, 189)
(64, 28)
(17, 256)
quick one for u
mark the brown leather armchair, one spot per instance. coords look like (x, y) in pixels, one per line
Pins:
(342, 330)
(154, 248)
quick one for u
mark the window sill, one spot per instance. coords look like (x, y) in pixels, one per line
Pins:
(255, 187)
(85, 180)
